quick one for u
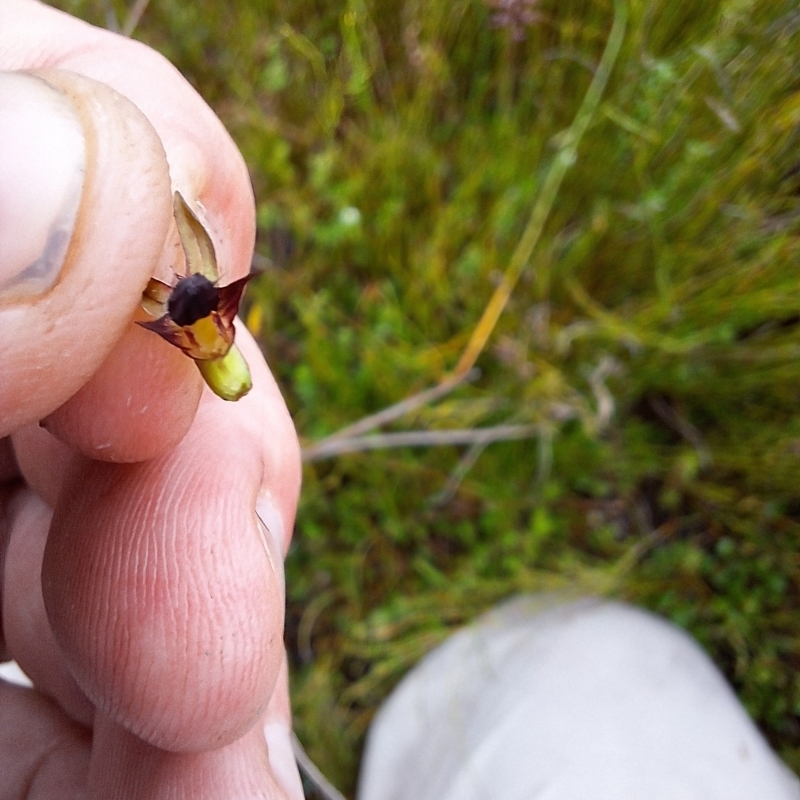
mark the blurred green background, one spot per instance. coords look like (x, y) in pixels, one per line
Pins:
(413, 159)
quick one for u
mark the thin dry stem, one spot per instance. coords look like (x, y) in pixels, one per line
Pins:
(393, 412)
(382, 441)
(134, 15)
(313, 773)
(565, 158)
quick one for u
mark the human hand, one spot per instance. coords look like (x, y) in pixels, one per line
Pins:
(143, 523)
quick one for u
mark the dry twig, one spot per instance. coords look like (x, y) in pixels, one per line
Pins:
(388, 414)
(134, 15)
(329, 448)
(313, 773)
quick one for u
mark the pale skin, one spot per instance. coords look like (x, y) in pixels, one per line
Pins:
(143, 521)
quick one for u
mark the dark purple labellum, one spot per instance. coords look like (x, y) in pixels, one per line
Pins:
(193, 298)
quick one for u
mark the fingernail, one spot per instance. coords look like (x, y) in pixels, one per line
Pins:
(42, 165)
(272, 524)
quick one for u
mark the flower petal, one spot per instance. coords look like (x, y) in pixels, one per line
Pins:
(230, 297)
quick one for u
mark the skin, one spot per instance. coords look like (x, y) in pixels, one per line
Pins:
(143, 520)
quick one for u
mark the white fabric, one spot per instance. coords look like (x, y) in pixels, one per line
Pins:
(10, 671)
(592, 700)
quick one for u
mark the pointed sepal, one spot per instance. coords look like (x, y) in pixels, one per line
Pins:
(171, 333)
(155, 297)
(230, 297)
(197, 244)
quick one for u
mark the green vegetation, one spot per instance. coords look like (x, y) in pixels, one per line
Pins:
(652, 341)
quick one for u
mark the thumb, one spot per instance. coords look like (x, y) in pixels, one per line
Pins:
(85, 210)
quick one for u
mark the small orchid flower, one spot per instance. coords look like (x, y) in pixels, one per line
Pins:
(195, 315)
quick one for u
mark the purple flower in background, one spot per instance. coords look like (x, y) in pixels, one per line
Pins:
(514, 16)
